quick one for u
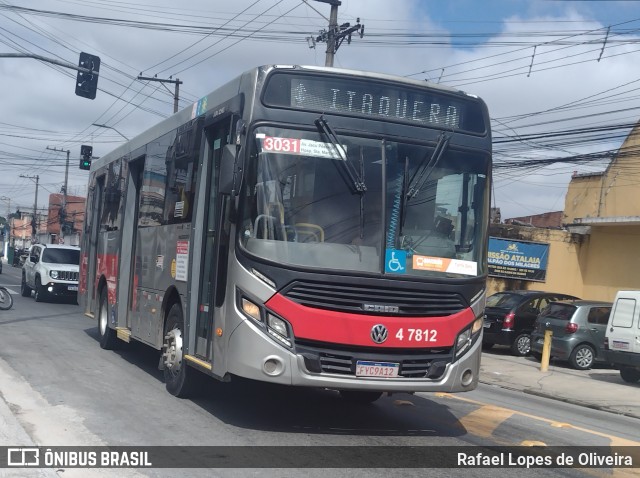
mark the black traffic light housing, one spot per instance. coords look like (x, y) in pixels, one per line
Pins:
(87, 83)
(86, 152)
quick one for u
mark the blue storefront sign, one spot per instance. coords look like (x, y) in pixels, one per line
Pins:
(518, 259)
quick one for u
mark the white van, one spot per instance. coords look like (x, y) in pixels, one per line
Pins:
(622, 338)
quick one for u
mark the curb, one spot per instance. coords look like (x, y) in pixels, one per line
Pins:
(563, 399)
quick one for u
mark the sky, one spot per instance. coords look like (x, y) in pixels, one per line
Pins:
(560, 78)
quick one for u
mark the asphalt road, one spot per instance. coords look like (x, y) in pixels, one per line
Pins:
(65, 390)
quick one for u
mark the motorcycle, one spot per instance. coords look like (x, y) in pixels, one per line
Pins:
(6, 301)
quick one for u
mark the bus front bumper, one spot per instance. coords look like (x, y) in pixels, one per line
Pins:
(255, 356)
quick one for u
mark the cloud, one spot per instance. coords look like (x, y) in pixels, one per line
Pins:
(38, 96)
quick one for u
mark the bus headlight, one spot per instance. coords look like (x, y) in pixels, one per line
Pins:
(468, 336)
(276, 327)
(279, 329)
(251, 309)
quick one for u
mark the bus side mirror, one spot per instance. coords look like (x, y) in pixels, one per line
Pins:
(227, 166)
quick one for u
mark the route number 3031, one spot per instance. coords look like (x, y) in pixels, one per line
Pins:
(417, 335)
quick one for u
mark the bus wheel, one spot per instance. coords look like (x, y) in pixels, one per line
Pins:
(179, 378)
(359, 396)
(108, 337)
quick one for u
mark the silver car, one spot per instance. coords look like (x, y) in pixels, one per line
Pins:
(578, 328)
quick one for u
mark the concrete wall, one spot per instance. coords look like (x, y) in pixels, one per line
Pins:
(546, 219)
(611, 262)
(614, 192)
(583, 197)
(621, 191)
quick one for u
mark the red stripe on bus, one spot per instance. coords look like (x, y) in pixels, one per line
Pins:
(355, 329)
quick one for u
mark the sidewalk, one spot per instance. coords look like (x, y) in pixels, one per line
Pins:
(600, 388)
(13, 434)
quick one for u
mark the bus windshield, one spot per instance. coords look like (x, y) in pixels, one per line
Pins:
(365, 205)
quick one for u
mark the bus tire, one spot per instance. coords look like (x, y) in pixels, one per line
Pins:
(108, 336)
(179, 378)
(360, 397)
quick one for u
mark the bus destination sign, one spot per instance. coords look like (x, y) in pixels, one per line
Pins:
(402, 103)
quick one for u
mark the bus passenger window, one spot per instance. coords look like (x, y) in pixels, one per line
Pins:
(110, 217)
(180, 189)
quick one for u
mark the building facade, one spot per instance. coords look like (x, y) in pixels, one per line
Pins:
(596, 254)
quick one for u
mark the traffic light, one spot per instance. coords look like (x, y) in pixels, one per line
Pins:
(86, 152)
(87, 83)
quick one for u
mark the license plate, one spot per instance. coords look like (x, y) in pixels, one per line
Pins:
(540, 341)
(72, 287)
(376, 369)
(620, 345)
(487, 325)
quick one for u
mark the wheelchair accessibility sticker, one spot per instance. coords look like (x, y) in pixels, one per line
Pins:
(395, 261)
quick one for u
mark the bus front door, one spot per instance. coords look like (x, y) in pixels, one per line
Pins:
(92, 226)
(212, 243)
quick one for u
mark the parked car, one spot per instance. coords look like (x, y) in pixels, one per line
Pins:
(622, 338)
(51, 270)
(578, 328)
(510, 317)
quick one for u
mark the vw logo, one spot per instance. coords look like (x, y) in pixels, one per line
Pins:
(379, 333)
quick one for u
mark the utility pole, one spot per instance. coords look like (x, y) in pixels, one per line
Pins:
(331, 37)
(176, 95)
(35, 206)
(336, 34)
(63, 211)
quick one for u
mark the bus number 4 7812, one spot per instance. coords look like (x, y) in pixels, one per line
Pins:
(417, 335)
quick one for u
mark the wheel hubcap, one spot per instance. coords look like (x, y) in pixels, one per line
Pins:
(172, 355)
(524, 345)
(584, 357)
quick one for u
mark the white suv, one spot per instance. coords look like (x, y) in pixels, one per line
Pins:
(51, 270)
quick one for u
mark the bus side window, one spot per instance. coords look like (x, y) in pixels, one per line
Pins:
(157, 169)
(180, 193)
(110, 217)
(180, 187)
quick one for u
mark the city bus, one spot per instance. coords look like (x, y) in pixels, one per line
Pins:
(300, 225)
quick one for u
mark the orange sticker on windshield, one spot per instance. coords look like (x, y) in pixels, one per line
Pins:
(426, 263)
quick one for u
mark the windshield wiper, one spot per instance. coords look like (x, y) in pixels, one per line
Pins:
(425, 168)
(356, 178)
(422, 174)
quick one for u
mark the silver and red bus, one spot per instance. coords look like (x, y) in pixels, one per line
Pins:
(305, 226)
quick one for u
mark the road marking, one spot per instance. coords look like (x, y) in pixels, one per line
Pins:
(11, 291)
(615, 441)
(485, 420)
(403, 403)
(479, 424)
